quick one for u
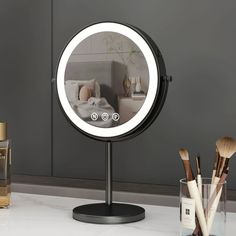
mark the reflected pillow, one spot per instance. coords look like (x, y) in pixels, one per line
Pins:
(85, 93)
(72, 90)
(93, 85)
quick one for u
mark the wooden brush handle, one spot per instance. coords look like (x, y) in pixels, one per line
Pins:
(219, 166)
(197, 231)
(199, 184)
(216, 180)
(212, 205)
(194, 194)
(188, 170)
(216, 188)
(213, 186)
(215, 166)
(213, 176)
(224, 166)
(212, 210)
(198, 165)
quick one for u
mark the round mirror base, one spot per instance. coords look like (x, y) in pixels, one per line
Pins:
(102, 213)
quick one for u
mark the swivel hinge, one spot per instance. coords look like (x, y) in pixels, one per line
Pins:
(167, 78)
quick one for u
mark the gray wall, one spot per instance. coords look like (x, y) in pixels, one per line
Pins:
(197, 40)
(25, 84)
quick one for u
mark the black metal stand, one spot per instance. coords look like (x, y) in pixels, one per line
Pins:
(108, 193)
(108, 212)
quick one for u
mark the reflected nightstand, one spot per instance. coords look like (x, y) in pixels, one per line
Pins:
(128, 107)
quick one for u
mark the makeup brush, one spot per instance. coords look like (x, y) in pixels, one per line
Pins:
(187, 166)
(226, 147)
(199, 177)
(193, 190)
(214, 200)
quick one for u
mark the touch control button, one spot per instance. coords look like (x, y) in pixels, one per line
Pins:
(94, 116)
(105, 116)
(115, 116)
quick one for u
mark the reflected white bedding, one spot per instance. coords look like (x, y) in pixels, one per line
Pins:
(98, 105)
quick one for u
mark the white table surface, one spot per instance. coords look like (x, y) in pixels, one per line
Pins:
(42, 215)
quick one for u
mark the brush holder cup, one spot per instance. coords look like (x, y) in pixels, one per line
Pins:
(213, 200)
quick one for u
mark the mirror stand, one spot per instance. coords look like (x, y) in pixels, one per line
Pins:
(91, 82)
(108, 212)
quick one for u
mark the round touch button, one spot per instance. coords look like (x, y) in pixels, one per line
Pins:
(94, 116)
(115, 116)
(105, 116)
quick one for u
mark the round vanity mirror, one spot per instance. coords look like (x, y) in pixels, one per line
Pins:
(111, 81)
(112, 84)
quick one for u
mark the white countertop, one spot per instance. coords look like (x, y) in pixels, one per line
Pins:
(42, 215)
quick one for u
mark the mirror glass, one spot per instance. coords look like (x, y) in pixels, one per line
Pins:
(107, 79)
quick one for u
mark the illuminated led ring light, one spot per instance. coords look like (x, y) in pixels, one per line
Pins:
(153, 70)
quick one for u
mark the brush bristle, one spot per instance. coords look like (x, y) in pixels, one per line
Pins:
(184, 154)
(226, 146)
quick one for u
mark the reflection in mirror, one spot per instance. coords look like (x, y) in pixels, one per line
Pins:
(106, 79)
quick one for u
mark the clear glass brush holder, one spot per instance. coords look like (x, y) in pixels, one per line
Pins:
(213, 201)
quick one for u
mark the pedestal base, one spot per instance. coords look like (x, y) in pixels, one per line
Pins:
(101, 213)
